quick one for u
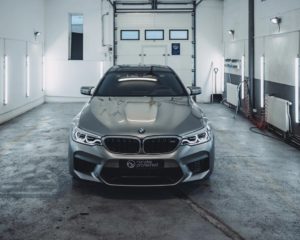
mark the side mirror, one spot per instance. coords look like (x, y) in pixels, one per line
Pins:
(86, 90)
(195, 90)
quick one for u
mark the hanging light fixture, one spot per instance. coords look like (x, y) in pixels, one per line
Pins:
(36, 34)
(276, 20)
(231, 33)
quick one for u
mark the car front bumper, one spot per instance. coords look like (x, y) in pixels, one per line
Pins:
(185, 164)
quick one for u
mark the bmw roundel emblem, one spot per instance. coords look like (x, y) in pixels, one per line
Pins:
(141, 130)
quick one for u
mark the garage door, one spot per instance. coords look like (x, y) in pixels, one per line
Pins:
(156, 38)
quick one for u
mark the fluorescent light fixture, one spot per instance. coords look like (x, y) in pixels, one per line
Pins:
(297, 90)
(276, 20)
(101, 69)
(262, 81)
(137, 79)
(44, 75)
(5, 97)
(223, 74)
(243, 77)
(27, 76)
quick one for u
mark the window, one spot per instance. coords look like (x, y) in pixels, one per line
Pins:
(76, 37)
(139, 83)
(130, 35)
(154, 34)
(179, 34)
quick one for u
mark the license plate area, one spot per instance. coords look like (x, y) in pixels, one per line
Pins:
(141, 164)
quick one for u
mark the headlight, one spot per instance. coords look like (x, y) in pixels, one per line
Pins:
(197, 138)
(86, 138)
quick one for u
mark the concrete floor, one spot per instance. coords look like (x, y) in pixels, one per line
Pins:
(253, 193)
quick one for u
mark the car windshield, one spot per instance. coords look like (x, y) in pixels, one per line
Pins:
(116, 84)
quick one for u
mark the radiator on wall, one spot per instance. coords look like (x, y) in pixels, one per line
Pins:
(232, 94)
(278, 113)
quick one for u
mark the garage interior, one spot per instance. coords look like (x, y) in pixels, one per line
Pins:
(244, 54)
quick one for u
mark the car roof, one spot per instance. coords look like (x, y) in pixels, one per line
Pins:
(142, 68)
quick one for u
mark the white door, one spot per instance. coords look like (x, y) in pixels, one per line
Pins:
(154, 55)
(139, 50)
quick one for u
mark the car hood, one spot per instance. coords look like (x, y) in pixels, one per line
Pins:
(126, 115)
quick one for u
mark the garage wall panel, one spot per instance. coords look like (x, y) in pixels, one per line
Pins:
(280, 54)
(280, 47)
(18, 22)
(288, 10)
(19, 19)
(65, 77)
(35, 51)
(235, 18)
(16, 54)
(209, 37)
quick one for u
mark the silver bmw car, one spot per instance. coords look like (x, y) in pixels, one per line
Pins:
(141, 127)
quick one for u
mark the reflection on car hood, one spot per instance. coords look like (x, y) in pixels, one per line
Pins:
(126, 115)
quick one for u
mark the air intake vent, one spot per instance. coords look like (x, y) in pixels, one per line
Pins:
(167, 175)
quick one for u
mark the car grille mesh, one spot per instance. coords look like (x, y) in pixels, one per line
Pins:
(153, 145)
(122, 145)
(160, 145)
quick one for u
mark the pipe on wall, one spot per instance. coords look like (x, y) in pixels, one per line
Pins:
(102, 28)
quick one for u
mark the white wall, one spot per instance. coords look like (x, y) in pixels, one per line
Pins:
(18, 21)
(236, 18)
(209, 38)
(65, 77)
(279, 48)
